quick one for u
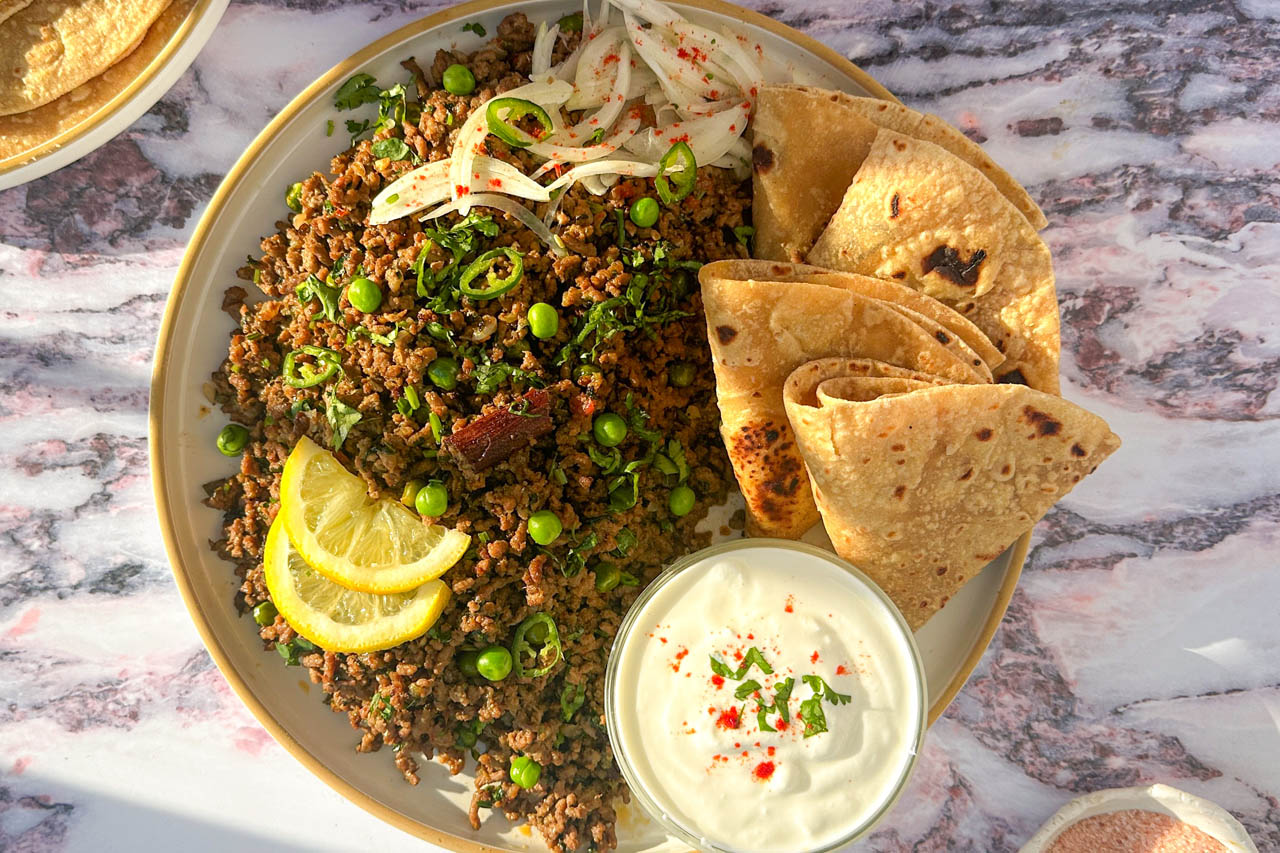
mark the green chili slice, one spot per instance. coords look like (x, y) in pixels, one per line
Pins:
(305, 375)
(484, 264)
(680, 155)
(502, 111)
(549, 652)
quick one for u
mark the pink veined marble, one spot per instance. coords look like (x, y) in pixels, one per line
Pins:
(1143, 643)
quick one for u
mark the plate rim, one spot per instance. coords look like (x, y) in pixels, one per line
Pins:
(12, 167)
(160, 375)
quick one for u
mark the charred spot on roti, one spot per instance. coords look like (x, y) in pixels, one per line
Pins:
(893, 207)
(1043, 423)
(942, 570)
(1077, 450)
(967, 474)
(898, 448)
(899, 275)
(900, 492)
(950, 265)
(1013, 377)
(943, 337)
(762, 158)
(900, 145)
(779, 269)
(770, 436)
(984, 434)
(1006, 470)
(726, 334)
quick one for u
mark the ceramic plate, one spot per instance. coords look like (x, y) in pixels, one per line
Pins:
(179, 51)
(193, 340)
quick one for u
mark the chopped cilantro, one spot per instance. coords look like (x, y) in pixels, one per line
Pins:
(359, 89)
(314, 288)
(475, 27)
(392, 149)
(341, 417)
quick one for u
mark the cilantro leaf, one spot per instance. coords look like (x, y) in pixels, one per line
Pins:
(314, 288)
(359, 89)
(571, 699)
(393, 149)
(813, 717)
(826, 691)
(753, 656)
(746, 688)
(341, 417)
(475, 27)
(626, 541)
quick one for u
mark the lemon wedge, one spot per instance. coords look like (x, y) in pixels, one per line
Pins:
(338, 619)
(363, 544)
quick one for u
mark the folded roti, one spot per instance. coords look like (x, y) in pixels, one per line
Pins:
(51, 47)
(809, 142)
(919, 215)
(760, 331)
(921, 485)
(898, 295)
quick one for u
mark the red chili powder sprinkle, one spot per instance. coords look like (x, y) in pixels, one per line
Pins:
(813, 658)
(771, 751)
(791, 600)
(662, 639)
(737, 655)
(746, 754)
(751, 636)
(718, 681)
(682, 53)
(711, 711)
(682, 654)
(729, 719)
(763, 770)
(782, 725)
(842, 670)
(736, 745)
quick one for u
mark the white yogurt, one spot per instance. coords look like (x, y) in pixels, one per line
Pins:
(697, 754)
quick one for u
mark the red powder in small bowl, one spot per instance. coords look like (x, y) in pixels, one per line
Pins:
(1134, 831)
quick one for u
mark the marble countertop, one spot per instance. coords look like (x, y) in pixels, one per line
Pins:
(1143, 642)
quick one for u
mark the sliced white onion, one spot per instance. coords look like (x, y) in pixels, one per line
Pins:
(556, 154)
(723, 53)
(631, 168)
(547, 92)
(709, 138)
(603, 118)
(594, 185)
(675, 75)
(429, 184)
(543, 46)
(467, 146)
(651, 10)
(506, 205)
(643, 81)
(594, 79)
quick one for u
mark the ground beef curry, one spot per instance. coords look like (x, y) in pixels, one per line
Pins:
(631, 341)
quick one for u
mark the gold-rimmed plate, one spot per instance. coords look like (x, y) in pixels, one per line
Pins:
(193, 340)
(49, 137)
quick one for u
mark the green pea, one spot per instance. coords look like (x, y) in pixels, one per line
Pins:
(364, 294)
(544, 321)
(525, 772)
(466, 738)
(681, 501)
(468, 663)
(433, 499)
(494, 663)
(609, 429)
(681, 374)
(458, 80)
(293, 198)
(680, 282)
(410, 492)
(264, 613)
(232, 439)
(545, 527)
(644, 212)
(443, 373)
(607, 576)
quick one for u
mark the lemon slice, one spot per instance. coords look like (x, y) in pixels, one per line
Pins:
(338, 619)
(364, 544)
